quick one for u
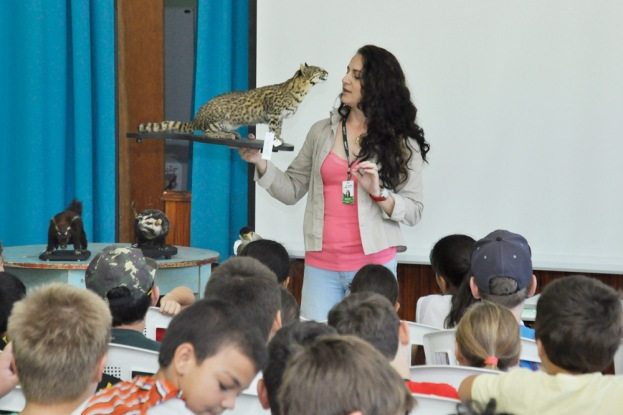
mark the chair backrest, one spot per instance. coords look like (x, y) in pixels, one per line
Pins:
(452, 375)
(529, 351)
(155, 320)
(248, 404)
(13, 401)
(122, 360)
(439, 348)
(417, 332)
(618, 360)
(434, 405)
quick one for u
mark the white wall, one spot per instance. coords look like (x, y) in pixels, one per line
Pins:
(522, 103)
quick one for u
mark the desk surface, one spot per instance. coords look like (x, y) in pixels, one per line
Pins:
(27, 256)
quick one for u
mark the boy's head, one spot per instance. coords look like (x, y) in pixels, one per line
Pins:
(252, 288)
(287, 341)
(340, 375)
(370, 317)
(290, 310)
(579, 324)
(60, 336)
(11, 291)
(125, 278)
(212, 353)
(273, 255)
(377, 279)
(502, 269)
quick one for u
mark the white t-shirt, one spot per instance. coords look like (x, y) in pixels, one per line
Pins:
(432, 310)
(173, 406)
(523, 392)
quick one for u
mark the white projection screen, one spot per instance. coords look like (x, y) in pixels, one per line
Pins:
(521, 102)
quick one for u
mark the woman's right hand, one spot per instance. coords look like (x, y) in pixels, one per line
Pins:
(253, 155)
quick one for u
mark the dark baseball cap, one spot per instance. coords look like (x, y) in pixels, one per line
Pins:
(120, 266)
(501, 254)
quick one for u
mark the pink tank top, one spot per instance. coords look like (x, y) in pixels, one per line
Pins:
(341, 241)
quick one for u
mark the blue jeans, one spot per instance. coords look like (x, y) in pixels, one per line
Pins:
(322, 289)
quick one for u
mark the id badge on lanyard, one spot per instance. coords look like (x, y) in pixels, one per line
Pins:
(348, 185)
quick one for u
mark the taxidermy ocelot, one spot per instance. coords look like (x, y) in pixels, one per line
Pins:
(67, 228)
(151, 228)
(223, 114)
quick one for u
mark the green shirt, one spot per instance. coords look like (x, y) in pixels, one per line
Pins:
(129, 337)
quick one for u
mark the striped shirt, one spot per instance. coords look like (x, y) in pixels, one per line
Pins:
(132, 398)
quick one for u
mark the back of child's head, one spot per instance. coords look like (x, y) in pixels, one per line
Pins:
(370, 317)
(377, 279)
(209, 326)
(125, 278)
(11, 291)
(272, 254)
(488, 336)
(60, 334)
(451, 259)
(288, 341)
(579, 322)
(290, 309)
(502, 268)
(251, 287)
(338, 375)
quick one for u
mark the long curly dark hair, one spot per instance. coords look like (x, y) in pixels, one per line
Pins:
(390, 114)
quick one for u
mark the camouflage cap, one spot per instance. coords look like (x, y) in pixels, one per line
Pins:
(117, 266)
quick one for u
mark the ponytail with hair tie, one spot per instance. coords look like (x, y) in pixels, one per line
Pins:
(491, 361)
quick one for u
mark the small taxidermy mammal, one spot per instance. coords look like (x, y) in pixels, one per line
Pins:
(151, 228)
(67, 228)
(219, 117)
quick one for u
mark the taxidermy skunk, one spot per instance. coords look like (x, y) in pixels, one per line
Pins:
(151, 228)
(67, 228)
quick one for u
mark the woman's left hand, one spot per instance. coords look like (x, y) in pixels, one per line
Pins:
(368, 176)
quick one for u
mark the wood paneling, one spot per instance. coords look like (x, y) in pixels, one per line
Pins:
(177, 209)
(140, 83)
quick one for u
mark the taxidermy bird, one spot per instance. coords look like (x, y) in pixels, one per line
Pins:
(67, 228)
(151, 228)
(246, 235)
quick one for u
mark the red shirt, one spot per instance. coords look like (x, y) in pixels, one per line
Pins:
(437, 389)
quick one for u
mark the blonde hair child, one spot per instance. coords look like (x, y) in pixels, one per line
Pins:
(488, 336)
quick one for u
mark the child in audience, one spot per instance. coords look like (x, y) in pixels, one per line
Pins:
(377, 279)
(273, 255)
(290, 309)
(372, 318)
(252, 288)
(342, 375)
(488, 336)
(209, 354)
(450, 258)
(579, 325)
(11, 291)
(287, 342)
(126, 279)
(60, 336)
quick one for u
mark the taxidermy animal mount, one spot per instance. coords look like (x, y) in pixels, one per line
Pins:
(151, 228)
(219, 117)
(67, 228)
(247, 235)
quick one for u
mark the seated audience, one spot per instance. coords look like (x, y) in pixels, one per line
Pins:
(579, 325)
(273, 255)
(60, 336)
(376, 279)
(285, 344)
(450, 258)
(290, 309)
(252, 288)
(342, 375)
(502, 274)
(488, 337)
(8, 377)
(209, 354)
(126, 279)
(11, 291)
(372, 318)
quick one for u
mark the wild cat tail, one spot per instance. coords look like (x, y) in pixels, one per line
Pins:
(75, 206)
(179, 126)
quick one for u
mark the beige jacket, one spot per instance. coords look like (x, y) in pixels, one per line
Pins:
(378, 230)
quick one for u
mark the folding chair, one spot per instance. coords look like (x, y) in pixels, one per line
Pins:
(13, 401)
(452, 375)
(122, 361)
(439, 348)
(155, 320)
(416, 335)
(434, 405)
(529, 351)
(247, 404)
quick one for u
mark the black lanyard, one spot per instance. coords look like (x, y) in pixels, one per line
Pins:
(346, 148)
